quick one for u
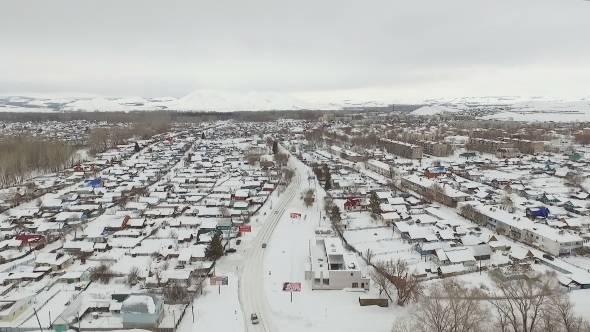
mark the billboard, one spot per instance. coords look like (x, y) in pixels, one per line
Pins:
(218, 281)
(245, 229)
(291, 287)
(295, 215)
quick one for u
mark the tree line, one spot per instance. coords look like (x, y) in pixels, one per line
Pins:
(22, 156)
(533, 303)
(103, 138)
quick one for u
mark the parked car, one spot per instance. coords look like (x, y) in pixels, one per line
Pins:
(179, 267)
(264, 245)
(238, 241)
(230, 250)
(549, 257)
(254, 319)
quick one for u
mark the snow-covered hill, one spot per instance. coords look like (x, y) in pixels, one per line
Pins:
(491, 107)
(223, 101)
(95, 104)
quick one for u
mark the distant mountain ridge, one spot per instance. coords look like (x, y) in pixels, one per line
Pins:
(517, 108)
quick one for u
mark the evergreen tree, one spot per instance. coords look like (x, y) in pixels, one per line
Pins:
(203, 135)
(275, 147)
(319, 172)
(335, 215)
(137, 148)
(215, 249)
(328, 179)
(374, 203)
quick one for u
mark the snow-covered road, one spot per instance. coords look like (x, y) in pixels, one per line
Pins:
(251, 283)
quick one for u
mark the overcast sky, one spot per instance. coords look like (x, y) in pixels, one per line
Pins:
(428, 48)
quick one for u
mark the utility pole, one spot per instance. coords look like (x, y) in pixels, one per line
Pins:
(38, 321)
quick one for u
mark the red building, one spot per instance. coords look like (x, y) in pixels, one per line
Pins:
(354, 204)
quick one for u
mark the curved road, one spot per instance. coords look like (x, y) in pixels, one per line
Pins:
(251, 284)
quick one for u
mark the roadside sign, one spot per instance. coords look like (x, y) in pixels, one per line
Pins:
(291, 287)
(218, 281)
(295, 215)
(245, 229)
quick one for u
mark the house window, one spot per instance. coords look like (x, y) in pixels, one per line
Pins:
(326, 282)
(316, 281)
(355, 285)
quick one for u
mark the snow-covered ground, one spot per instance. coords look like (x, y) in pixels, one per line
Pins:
(285, 259)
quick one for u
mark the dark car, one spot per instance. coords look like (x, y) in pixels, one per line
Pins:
(549, 257)
(264, 245)
(238, 241)
(231, 250)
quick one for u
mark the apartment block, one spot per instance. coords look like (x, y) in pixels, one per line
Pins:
(435, 148)
(488, 145)
(526, 146)
(402, 149)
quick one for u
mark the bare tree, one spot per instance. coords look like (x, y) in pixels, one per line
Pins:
(288, 175)
(574, 179)
(224, 210)
(133, 276)
(101, 273)
(437, 190)
(281, 159)
(381, 281)
(308, 197)
(175, 292)
(506, 202)
(469, 212)
(559, 316)
(252, 160)
(173, 234)
(447, 307)
(408, 285)
(328, 203)
(520, 304)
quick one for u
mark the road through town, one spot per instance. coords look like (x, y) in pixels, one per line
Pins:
(251, 288)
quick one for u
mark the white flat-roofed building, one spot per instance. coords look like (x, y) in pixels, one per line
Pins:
(332, 267)
(378, 167)
(552, 241)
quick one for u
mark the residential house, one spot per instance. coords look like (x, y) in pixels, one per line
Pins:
(550, 199)
(57, 261)
(537, 212)
(142, 310)
(354, 204)
(12, 306)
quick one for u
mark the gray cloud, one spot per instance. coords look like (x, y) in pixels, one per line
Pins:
(152, 48)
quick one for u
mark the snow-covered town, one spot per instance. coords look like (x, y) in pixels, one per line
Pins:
(285, 226)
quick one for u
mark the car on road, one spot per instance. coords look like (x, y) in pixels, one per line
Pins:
(264, 245)
(254, 319)
(276, 212)
(238, 241)
(549, 257)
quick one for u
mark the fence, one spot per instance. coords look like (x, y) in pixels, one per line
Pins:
(14, 266)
